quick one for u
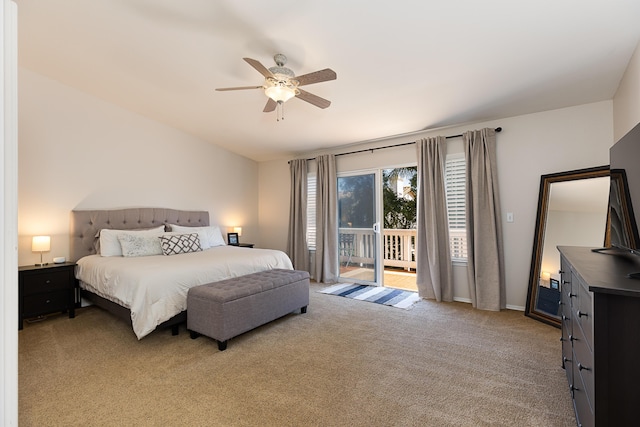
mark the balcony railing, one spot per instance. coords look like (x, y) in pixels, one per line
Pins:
(356, 246)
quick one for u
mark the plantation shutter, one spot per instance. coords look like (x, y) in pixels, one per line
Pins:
(311, 211)
(455, 171)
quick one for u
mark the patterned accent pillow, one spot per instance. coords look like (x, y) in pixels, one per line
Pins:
(139, 245)
(173, 244)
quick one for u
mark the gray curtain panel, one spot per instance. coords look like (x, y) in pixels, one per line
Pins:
(297, 238)
(433, 256)
(485, 264)
(326, 220)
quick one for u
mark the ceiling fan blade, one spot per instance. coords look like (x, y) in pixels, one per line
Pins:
(258, 66)
(271, 105)
(239, 88)
(313, 99)
(316, 77)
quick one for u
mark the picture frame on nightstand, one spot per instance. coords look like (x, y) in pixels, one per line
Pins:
(554, 283)
(232, 239)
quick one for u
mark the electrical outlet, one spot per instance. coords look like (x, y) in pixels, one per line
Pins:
(509, 216)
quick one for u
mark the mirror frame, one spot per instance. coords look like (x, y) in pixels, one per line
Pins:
(538, 240)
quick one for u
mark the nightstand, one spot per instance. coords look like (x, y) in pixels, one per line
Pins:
(46, 289)
(245, 245)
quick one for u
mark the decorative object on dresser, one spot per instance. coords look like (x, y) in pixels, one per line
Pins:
(41, 244)
(600, 311)
(45, 290)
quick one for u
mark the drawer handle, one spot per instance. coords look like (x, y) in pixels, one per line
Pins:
(582, 367)
(48, 301)
(561, 271)
(47, 281)
(560, 302)
(565, 317)
(572, 295)
(582, 313)
(566, 359)
(573, 388)
(565, 282)
(572, 338)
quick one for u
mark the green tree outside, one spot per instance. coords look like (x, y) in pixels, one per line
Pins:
(400, 211)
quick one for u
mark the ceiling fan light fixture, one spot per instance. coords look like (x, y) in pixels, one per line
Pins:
(280, 91)
(281, 84)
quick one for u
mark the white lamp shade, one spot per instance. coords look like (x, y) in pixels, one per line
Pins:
(41, 244)
(546, 275)
(238, 230)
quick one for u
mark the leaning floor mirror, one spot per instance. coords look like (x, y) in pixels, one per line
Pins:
(572, 211)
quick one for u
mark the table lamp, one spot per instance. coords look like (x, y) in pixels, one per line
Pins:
(41, 244)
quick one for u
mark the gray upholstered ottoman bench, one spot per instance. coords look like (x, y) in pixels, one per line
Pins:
(225, 309)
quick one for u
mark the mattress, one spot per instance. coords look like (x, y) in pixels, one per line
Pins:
(154, 288)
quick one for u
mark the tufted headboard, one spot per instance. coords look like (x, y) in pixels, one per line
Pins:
(86, 224)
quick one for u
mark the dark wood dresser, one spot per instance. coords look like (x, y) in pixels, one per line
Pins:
(600, 310)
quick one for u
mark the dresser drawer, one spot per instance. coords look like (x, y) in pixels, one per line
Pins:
(565, 292)
(583, 313)
(44, 303)
(46, 282)
(583, 364)
(567, 360)
(583, 409)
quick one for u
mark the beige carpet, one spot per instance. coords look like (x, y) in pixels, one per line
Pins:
(344, 363)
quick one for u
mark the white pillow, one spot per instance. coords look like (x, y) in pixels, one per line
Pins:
(210, 236)
(139, 245)
(110, 245)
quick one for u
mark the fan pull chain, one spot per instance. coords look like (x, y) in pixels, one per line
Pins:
(280, 111)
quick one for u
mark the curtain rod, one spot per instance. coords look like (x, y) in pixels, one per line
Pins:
(498, 129)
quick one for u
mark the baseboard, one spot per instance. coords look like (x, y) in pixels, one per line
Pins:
(509, 306)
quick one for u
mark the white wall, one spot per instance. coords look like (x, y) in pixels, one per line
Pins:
(626, 103)
(78, 152)
(274, 184)
(529, 146)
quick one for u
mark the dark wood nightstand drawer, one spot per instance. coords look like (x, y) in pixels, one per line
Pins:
(35, 305)
(46, 282)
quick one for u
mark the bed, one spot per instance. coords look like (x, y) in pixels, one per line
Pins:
(150, 292)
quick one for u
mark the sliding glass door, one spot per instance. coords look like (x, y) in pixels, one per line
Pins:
(359, 250)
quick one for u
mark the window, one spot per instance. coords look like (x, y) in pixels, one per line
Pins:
(455, 187)
(455, 172)
(311, 211)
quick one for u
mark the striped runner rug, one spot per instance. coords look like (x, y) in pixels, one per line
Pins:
(378, 294)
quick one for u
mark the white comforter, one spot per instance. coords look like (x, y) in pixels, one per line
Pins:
(155, 288)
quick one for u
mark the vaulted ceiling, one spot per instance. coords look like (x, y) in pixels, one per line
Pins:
(402, 65)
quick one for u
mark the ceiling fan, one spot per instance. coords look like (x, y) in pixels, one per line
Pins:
(281, 84)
